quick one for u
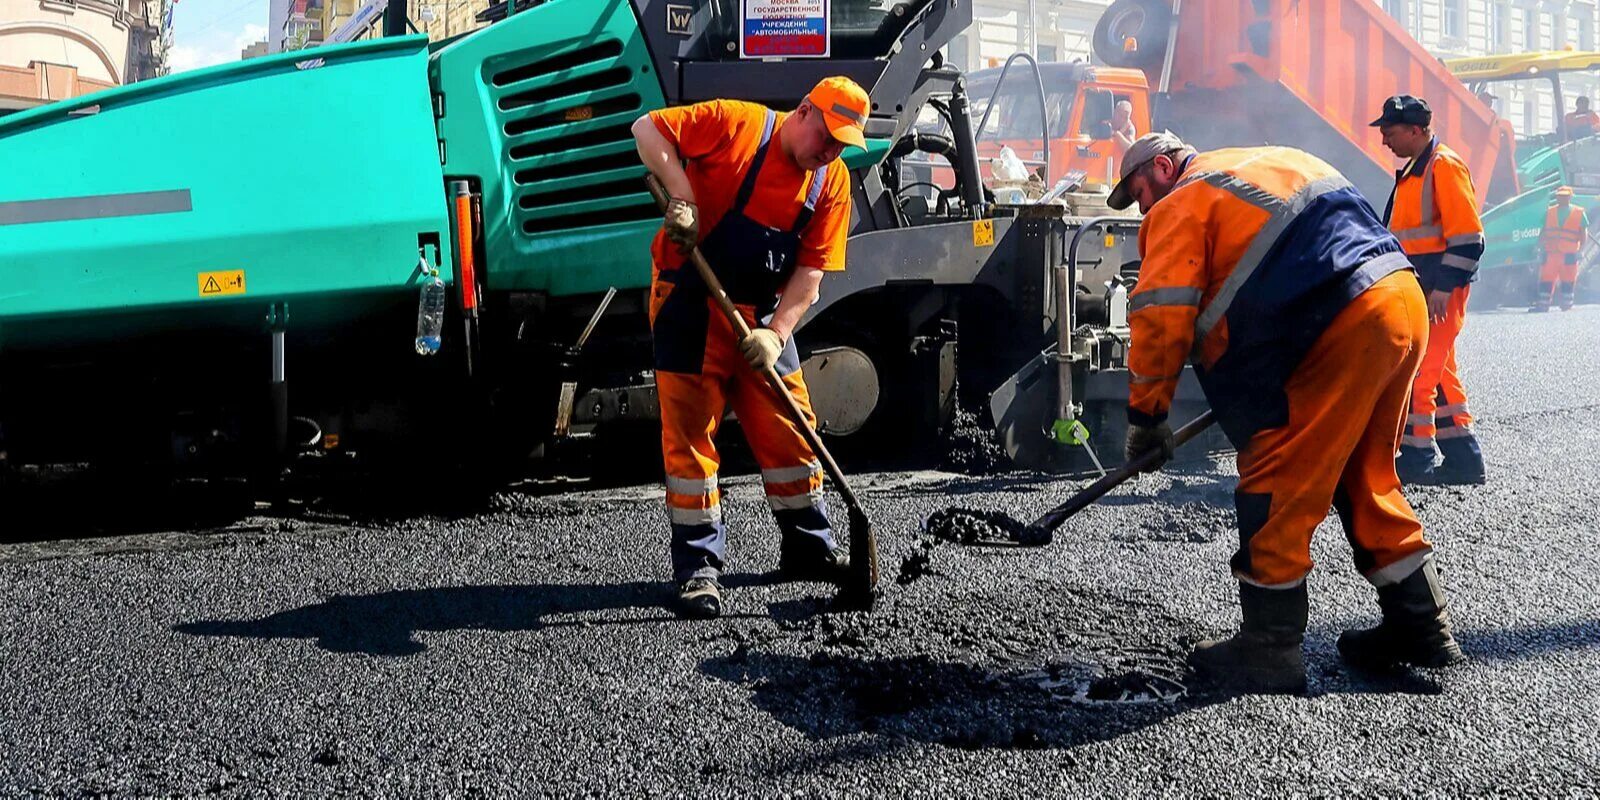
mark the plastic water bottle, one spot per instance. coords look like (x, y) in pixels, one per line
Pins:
(430, 314)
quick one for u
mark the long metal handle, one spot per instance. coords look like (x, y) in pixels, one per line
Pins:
(594, 319)
(731, 311)
(1053, 518)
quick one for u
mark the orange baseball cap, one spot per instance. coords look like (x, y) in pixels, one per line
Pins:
(844, 107)
(1564, 191)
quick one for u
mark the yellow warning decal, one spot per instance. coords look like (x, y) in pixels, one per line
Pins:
(214, 284)
(982, 232)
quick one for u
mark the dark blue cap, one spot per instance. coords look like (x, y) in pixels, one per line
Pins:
(1403, 109)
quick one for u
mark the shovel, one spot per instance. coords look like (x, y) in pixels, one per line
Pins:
(1044, 527)
(858, 588)
(1042, 530)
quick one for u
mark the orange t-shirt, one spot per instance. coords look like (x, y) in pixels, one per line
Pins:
(719, 139)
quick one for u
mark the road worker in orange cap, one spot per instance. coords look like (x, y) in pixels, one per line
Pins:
(1434, 213)
(1305, 324)
(1565, 227)
(765, 197)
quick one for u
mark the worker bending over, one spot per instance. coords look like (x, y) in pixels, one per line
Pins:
(1433, 211)
(1305, 324)
(765, 197)
(1565, 227)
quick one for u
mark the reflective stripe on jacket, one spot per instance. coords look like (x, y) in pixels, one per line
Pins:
(1564, 237)
(1245, 264)
(1434, 213)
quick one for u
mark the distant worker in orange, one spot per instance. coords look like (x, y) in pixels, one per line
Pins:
(1305, 324)
(1434, 213)
(1581, 121)
(1565, 226)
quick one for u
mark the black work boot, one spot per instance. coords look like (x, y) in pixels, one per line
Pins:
(1415, 628)
(1463, 462)
(1415, 464)
(830, 566)
(1265, 656)
(700, 597)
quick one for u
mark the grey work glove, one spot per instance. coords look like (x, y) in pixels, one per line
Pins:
(682, 224)
(761, 348)
(1144, 438)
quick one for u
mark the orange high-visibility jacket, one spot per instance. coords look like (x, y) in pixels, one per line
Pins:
(1433, 211)
(1562, 238)
(1582, 123)
(1245, 263)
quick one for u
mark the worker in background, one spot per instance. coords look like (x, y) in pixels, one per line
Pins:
(1305, 324)
(767, 200)
(1111, 137)
(1565, 226)
(1433, 211)
(1122, 131)
(1581, 121)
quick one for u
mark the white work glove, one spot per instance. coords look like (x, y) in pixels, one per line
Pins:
(682, 224)
(1142, 439)
(761, 348)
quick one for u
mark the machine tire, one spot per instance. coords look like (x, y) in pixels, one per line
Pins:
(1145, 20)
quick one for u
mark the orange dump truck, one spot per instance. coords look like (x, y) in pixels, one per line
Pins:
(1248, 72)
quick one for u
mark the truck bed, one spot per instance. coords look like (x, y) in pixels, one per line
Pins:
(1314, 75)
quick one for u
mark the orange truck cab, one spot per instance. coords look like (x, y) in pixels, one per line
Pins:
(1079, 103)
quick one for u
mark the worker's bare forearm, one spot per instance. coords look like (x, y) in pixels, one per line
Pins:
(661, 158)
(798, 295)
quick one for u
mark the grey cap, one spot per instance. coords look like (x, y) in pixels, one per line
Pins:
(1140, 153)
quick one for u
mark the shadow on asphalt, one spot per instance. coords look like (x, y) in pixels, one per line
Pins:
(918, 699)
(829, 695)
(1529, 642)
(386, 624)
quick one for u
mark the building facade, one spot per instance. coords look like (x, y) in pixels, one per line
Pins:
(277, 16)
(56, 49)
(1050, 30)
(1457, 28)
(303, 26)
(442, 19)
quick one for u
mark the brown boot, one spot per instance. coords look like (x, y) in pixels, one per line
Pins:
(1265, 656)
(1415, 629)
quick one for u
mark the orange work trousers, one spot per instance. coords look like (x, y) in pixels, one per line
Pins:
(692, 408)
(1347, 400)
(1558, 281)
(1438, 398)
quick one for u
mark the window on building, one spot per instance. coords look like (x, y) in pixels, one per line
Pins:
(1048, 52)
(1499, 27)
(1530, 29)
(1586, 31)
(1396, 9)
(1452, 19)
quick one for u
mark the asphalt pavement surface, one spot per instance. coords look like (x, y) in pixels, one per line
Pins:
(527, 648)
